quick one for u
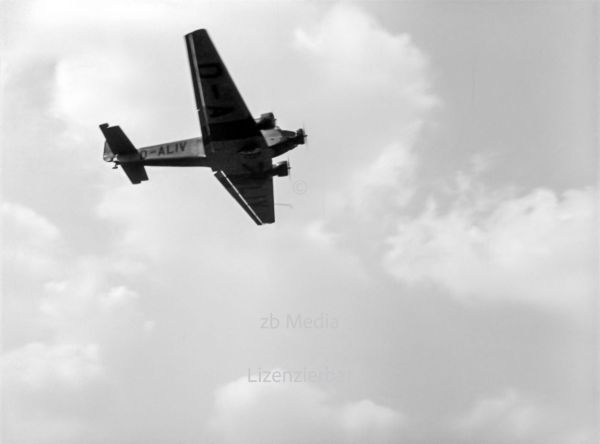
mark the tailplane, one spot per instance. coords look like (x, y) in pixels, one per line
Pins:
(135, 171)
(119, 149)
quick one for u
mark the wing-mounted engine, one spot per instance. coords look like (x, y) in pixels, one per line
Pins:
(281, 169)
(266, 121)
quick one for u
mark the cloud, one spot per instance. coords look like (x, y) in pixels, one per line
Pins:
(477, 244)
(117, 296)
(507, 416)
(25, 221)
(376, 87)
(535, 249)
(63, 318)
(355, 53)
(83, 303)
(365, 421)
(387, 183)
(47, 389)
(29, 240)
(41, 366)
(255, 412)
(510, 416)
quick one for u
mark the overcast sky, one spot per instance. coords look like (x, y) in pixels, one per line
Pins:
(437, 236)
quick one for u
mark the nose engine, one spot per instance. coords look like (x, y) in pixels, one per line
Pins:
(300, 136)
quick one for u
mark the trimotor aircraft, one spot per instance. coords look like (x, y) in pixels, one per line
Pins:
(236, 146)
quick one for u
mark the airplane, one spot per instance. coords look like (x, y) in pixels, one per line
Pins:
(236, 146)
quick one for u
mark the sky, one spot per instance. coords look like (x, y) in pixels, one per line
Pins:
(433, 272)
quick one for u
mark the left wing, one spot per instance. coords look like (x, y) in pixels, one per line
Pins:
(221, 109)
(254, 195)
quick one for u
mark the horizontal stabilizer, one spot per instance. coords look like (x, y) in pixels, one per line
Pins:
(135, 171)
(117, 141)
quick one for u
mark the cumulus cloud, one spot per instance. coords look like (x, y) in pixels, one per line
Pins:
(352, 47)
(29, 240)
(511, 416)
(479, 244)
(63, 316)
(508, 416)
(85, 299)
(356, 61)
(117, 296)
(375, 90)
(537, 248)
(255, 412)
(387, 183)
(47, 389)
(41, 366)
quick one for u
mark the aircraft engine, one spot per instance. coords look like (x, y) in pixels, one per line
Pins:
(281, 169)
(266, 121)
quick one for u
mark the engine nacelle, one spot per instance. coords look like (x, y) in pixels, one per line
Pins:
(281, 169)
(266, 121)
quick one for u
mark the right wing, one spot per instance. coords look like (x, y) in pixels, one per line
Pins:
(221, 109)
(254, 195)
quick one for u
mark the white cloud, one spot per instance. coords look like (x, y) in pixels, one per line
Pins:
(79, 77)
(386, 184)
(42, 366)
(116, 297)
(68, 12)
(255, 412)
(28, 224)
(29, 240)
(376, 87)
(53, 361)
(537, 249)
(82, 298)
(365, 420)
(365, 212)
(510, 416)
(351, 46)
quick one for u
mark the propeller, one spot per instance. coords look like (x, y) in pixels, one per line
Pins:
(305, 134)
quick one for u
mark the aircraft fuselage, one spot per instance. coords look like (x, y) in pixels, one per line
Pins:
(192, 153)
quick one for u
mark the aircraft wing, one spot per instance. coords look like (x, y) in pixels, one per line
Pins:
(254, 195)
(221, 109)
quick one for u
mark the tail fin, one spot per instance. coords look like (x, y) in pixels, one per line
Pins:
(108, 155)
(118, 144)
